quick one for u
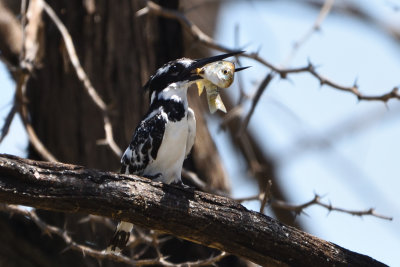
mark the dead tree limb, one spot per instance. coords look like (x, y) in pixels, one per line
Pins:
(207, 219)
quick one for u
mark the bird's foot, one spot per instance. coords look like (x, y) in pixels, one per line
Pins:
(157, 177)
(182, 185)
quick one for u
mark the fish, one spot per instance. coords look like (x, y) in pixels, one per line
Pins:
(213, 97)
(216, 75)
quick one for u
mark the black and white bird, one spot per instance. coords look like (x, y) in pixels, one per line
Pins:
(165, 136)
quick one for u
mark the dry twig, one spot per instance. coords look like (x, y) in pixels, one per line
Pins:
(7, 121)
(316, 201)
(298, 209)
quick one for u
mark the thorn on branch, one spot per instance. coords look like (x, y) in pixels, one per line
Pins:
(355, 84)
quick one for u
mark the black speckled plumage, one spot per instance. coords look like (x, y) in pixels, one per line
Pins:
(145, 144)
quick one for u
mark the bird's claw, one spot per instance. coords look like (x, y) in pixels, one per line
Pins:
(182, 185)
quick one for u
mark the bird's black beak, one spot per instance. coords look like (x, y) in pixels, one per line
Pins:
(198, 63)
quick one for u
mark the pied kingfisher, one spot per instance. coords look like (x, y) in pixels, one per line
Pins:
(165, 136)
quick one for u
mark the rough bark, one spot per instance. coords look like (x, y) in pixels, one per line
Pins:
(211, 220)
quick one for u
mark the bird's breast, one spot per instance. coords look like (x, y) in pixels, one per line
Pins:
(171, 153)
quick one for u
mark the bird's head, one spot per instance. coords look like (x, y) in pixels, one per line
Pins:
(183, 72)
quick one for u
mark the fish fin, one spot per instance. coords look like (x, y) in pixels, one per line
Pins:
(200, 86)
(220, 104)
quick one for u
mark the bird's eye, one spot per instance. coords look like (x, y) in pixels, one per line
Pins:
(174, 70)
(225, 71)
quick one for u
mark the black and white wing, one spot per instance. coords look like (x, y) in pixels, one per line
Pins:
(145, 143)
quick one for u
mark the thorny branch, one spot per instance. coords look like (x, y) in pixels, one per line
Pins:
(101, 255)
(316, 201)
(298, 209)
(203, 38)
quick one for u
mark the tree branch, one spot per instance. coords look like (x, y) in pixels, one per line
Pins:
(265, 196)
(214, 221)
(298, 209)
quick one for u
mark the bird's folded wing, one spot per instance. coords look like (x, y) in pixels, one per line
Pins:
(145, 143)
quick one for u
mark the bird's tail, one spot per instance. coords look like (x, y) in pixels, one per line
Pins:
(120, 238)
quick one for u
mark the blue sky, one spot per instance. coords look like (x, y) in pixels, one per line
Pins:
(358, 167)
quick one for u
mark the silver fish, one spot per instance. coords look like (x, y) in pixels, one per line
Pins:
(219, 74)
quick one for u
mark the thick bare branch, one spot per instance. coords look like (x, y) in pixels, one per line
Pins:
(203, 218)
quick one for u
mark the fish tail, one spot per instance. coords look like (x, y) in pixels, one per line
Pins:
(220, 104)
(215, 102)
